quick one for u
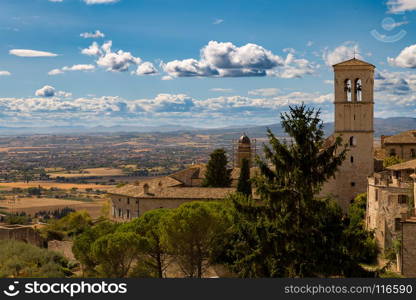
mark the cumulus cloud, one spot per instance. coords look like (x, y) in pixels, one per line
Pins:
(220, 59)
(92, 35)
(55, 72)
(341, 53)
(46, 91)
(119, 61)
(31, 53)
(398, 6)
(100, 1)
(146, 68)
(406, 58)
(5, 73)
(266, 92)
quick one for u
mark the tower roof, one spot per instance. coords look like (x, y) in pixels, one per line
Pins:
(244, 139)
(353, 62)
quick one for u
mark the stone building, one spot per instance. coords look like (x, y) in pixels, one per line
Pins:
(390, 195)
(132, 200)
(23, 233)
(402, 145)
(354, 119)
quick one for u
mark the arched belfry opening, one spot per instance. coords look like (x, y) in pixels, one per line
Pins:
(347, 90)
(358, 90)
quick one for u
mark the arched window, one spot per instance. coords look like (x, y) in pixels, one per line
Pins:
(353, 142)
(347, 90)
(358, 90)
(146, 188)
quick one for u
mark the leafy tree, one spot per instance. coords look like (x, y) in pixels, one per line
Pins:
(291, 232)
(191, 232)
(391, 160)
(82, 247)
(149, 226)
(217, 174)
(70, 225)
(244, 184)
(19, 259)
(116, 252)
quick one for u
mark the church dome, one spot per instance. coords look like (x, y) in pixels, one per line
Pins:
(244, 139)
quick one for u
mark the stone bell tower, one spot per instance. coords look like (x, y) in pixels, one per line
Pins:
(354, 119)
(243, 150)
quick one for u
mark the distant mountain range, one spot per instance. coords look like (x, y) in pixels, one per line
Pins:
(386, 126)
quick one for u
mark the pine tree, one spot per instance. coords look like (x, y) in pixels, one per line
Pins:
(217, 174)
(290, 231)
(244, 184)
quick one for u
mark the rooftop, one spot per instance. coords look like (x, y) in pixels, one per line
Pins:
(353, 62)
(408, 165)
(406, 137)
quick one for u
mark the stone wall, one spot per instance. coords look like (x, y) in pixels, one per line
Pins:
(22, 233)
(408, 253)
(403, 151)
(384, 211)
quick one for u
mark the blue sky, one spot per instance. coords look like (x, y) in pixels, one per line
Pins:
(201, 63)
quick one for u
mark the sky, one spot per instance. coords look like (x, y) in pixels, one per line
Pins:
(196, 63)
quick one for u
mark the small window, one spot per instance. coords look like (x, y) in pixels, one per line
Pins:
(397, 224)
(120, 213)
(352, 159)
(412, 153)
(128, 213)
(402, 199)
(128, 200)
(352, 141)
(376, 195)
(137, 201)
(353, 184)
(392, 152)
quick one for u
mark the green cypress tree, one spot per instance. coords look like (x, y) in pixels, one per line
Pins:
(244, 184)
(217, 174)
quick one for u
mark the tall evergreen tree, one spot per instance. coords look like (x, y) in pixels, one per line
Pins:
(291, 232)
(217, 174)
(244, 184)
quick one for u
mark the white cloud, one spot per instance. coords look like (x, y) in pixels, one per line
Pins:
(31, 53)
(266, 92)
(79, 67)
(119, 61)
(100, 1)
(309, 44)
(406, 58)
(341, 53)
(329, 81)
(5, 73)
(56, 0)
(398, 6)
(146, 68)
(92, 35)
(221, 90)
(219, 59)
(55, 72)
(46, 91)
(92, 50)
(218, 21)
